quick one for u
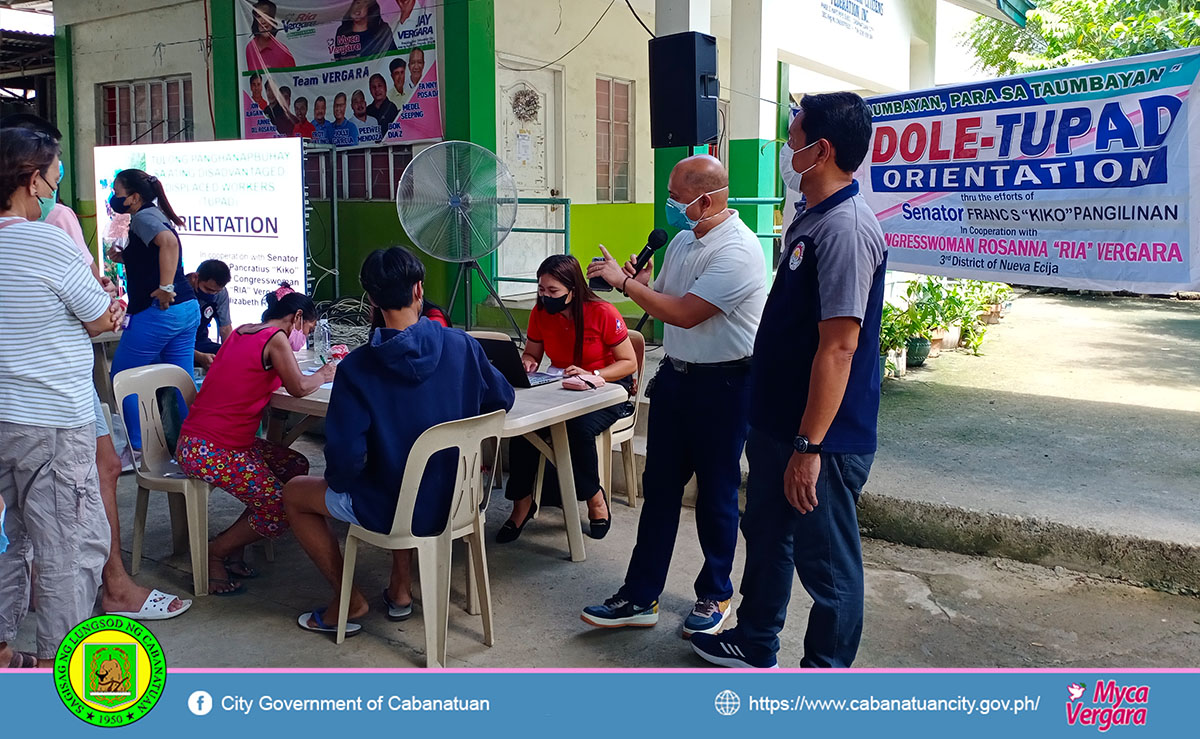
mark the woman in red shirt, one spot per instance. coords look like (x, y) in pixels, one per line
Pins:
(582, 335)
(219, 440)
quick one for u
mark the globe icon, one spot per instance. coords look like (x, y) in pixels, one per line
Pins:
(727, 703)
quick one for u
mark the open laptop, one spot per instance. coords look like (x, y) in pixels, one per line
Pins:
(504, 357)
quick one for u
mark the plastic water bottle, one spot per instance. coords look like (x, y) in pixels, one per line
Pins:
(323, 339)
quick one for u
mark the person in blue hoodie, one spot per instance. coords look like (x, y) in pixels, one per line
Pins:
(413, 374)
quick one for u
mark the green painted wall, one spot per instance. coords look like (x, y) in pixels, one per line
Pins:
(365, 227)
(468, 79)
(752, 174)
(226, 98)
(621, 227)
(64, 95)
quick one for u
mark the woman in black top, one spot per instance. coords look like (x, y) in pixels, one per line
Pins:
(163, 313)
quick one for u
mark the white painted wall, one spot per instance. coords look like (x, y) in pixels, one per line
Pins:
(537, 32)
(116, 41)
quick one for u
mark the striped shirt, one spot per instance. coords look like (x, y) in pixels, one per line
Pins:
(46, 293)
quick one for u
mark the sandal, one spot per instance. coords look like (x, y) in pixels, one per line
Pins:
(232, 587)
(239, 568)
(22, 661)
(156, 608)
(396, 612)
(321, 627)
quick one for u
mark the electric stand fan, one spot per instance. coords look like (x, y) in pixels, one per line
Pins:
(458, 202)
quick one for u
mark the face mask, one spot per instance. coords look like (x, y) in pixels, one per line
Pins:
(677, 216)
(118, 204)
(554, 306)
(47, 204)
(791, 178)
(298, 340)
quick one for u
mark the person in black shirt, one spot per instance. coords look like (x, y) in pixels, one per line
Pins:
(382, 108)
(209, 281)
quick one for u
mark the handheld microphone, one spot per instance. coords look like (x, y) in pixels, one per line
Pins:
(655, 241)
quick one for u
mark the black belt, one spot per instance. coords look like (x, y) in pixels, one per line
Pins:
(685, 367)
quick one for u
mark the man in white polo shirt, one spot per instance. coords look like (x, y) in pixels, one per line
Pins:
(710, 294)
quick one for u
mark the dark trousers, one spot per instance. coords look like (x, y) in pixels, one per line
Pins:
(581, 438)
(823, 547)
(698, 424)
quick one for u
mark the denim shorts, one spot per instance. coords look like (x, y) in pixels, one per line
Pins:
(102, 428)
(340, 507)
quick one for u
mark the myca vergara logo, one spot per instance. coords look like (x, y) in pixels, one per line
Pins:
(1112, 705)
(110, 671)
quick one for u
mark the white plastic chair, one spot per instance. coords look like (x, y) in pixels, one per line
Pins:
(620, 434)
(157, 470)
(494, 335)
(434, 552)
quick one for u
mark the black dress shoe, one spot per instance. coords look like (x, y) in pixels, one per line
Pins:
(509, 532)
(600, 526)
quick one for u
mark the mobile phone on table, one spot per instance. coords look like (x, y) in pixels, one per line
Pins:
(598, 283)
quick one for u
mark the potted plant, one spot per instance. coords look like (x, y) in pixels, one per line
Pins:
(893, 333)
(931, 306)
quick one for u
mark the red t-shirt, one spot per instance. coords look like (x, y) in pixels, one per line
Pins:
(303, 129)
(603, 328)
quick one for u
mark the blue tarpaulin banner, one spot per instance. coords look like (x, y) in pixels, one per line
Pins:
(1084, 177)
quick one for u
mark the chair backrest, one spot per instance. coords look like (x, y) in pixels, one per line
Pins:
(639, 349)
(466, 435)
(494, 335)
(145, 382)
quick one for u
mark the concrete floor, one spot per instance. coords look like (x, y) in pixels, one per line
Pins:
(924, 609)
(1082, 411)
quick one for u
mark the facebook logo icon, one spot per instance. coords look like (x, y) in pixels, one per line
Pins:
(200, 703)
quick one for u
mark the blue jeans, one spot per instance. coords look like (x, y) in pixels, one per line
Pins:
(823, 547)
(156, 336)
(698, 424)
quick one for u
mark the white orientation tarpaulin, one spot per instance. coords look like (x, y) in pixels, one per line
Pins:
(241, 201)
(1084, 177)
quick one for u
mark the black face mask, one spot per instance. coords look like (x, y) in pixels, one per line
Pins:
(554, 306)
(118, 204)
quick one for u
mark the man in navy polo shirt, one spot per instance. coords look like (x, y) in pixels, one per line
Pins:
(814, 401)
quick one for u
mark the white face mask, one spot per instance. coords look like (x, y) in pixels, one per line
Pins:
(791, 178)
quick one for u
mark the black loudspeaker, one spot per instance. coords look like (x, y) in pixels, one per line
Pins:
(683, 90)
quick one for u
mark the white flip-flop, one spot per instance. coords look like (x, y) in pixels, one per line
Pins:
(322, 627)
(155, 608)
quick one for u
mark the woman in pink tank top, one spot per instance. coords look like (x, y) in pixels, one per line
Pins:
(219, 440)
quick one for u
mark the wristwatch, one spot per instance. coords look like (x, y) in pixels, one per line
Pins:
(167, 288)
(804, 446)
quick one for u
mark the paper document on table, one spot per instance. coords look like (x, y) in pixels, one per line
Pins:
(312, 371)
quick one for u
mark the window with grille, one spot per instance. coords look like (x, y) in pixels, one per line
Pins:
(146, 111)
(614, 99)
(363, 174)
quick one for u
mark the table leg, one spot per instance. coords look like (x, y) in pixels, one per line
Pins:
(276, 425)
(566, 485)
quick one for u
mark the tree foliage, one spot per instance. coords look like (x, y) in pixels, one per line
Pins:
(1065, 32)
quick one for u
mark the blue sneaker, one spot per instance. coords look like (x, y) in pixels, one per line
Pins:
(707, 617)
(617, 612)
(728, 650)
